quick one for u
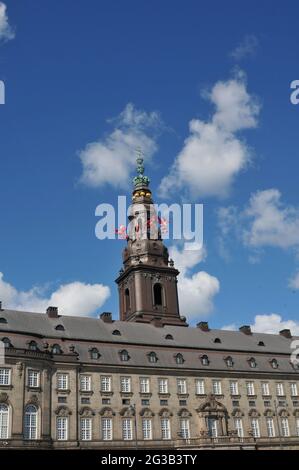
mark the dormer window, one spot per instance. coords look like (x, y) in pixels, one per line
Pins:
(59, 328)
(179, 359)
(6, 342)
(124, 355)
(229, 361)
(274, 364)
(252, 362)
(205, 360)
(152, 357)
(56, 349)
(32, 346)
(261, 343)
(217, 340)
(94, 353)
(3, 320)
(116, 333)
(169, 337)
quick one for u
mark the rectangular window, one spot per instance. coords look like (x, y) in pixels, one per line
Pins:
(163, 385)
(182, 386)
(239, 426)
(106, 401)
(234, 389)
(85, 401)
(294, 389)
(297, 426)
(4, 376)
(85, 429)
(163, 402)
(125, 384)
(250, 388)
(4, 416)
(185, 428)
(147, 429)
(107, 429)
(265, 389)
(200, 387)
(62, 428)
(285, 427)
(105, 383)
(217, 387)
(255, 426)
(127, 429)
(33, 378)
(165, 428)
(144, 383)
(279, 389)
(62, 400)
(270, 427)
(62, 381)
(145, 402)
(85, 384)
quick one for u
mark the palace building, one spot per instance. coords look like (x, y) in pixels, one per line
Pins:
(148, 380)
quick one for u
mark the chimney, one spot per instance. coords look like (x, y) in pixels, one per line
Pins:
(245, 329)
(52, 312)
(203, 326)
(106, 317)
(157, 321)
(286, 333)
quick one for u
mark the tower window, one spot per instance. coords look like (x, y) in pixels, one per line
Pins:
(158, 293)
(127, 300)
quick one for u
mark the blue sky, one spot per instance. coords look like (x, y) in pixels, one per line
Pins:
(70, 67)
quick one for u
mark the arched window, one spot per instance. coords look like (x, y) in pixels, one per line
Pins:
(94, 353)
(7, 343)
(261, 343)
(33, 346)
(152, 357)
(205, 360)
(217, 340)
(274, 364)
(229, 361)
(30, 422)
(124, 355)
(169, 337)
(179, 359)
(252, 363)
(116, 333)
(56, 349)
(4, 421)
(158, 294)
(59, 328)
(3, 320)
(127, 300)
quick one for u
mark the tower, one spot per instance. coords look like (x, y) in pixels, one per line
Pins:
(147, 283)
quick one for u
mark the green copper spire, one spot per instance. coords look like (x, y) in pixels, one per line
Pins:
(140, 179)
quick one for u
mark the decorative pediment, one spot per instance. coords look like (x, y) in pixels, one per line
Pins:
(4, 398)
(107, 412)
(184, 413)
(86, 412)
(146, 413)
(211, 405)
(63, 411)
(165, 413)
(253, 413)
(33, 400)
(237, 413)
(269, 413)
(284, 413)
(127, 412)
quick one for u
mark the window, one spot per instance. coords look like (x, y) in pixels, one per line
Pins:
(182, 386)
(200, 387)
(182, 402)
(265, 389)
(62, 400)
(124, 355)
(163, 402)
(205, 360)
(56, 349)
(33, 378)
(107, 433)
(127, 429)
(239, 427)
(62, 381)
(59, 328)
(169, 337)
(229, 362)
(147, 429)
(252, 363)
(7, 343)
(4, 421)
(3, 320)
(179, 359)
(144, 383)
(216, 385)
(251, 403)
(294, 389)
(185, 429)
(270, 427)
(165, 428)
(279, 389)
(94, 354)
(30, 422)
(62, 428)
(235, 403)
(267, 403)
(285, 427)
(163, 385)
(85, 401)
(32, 346)
(261, 343)
(217, 340)
(250, 388)
(274, 363)
(106, 401)
(152, 357)
(85, 429)
(233, 386)
(255, 426)
(125, 384)
(127, 300)
(125, 401)
(105, 383)
(4, 376)
(297, 426)
(85, 383)
(145, 402)
(158, 294)
(116, 333)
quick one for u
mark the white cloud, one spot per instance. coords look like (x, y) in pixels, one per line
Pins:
(213, 154)
(110, 160)
(294, 282)
(270, 222)
(247, 47)
(197, 291)
(76, 298)
(273, 323)
(6, 31)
